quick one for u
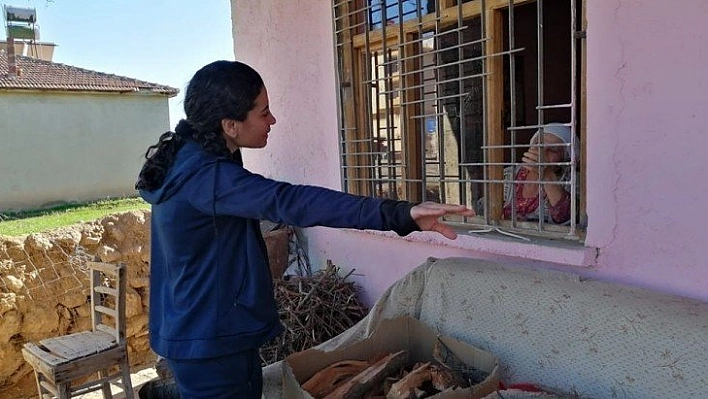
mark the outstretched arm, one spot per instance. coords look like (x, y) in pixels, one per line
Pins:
(427, 215)
(238, 192)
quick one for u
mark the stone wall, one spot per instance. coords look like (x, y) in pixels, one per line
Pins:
(44, 289)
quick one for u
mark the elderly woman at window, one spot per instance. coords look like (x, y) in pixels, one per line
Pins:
(556, 197)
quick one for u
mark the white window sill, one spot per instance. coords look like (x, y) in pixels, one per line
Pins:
(557, 251)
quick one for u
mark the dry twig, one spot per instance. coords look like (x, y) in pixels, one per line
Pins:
(312, 309)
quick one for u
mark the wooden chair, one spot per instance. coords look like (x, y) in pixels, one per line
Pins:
(100, 355)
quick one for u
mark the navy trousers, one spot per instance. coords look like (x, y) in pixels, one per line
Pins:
(234, 376)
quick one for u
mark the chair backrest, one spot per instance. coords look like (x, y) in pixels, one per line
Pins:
(108, 286)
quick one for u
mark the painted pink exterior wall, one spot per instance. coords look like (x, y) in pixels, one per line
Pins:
(647, 129)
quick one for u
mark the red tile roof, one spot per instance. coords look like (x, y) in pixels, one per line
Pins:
(46, 75)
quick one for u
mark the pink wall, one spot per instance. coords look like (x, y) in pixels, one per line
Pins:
(290, 44)
(646, 88)
(647, 127)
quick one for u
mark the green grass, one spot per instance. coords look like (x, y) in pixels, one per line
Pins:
(39, 220)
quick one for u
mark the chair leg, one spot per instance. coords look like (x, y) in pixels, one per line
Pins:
(127, 383)
(64, 390)
(43, 393)
(106, 386)
(37, 378)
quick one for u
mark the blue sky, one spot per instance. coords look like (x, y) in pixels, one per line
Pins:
(160, 41)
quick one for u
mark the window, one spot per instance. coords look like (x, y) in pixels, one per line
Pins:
(441, 100)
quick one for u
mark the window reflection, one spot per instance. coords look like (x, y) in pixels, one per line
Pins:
(393, 11)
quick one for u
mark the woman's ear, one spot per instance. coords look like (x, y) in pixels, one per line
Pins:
(231, 128)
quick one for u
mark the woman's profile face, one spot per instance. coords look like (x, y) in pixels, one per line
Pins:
(551, 153)
(253, 131)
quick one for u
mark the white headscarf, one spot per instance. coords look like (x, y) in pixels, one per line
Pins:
(562, 132)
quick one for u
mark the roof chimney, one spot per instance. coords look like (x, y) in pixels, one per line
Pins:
(11, 59)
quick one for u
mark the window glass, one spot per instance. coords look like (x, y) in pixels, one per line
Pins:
(394, 11)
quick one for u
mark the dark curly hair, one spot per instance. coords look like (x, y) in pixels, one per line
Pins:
(220, 90)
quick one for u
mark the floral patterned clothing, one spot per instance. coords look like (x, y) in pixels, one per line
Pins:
(527, 208)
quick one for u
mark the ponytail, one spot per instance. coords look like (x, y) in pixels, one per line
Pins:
(160, 157)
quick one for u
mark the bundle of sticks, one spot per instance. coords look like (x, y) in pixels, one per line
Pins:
(312, 309)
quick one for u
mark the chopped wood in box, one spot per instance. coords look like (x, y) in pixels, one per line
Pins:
(327, 380)
(392, 376)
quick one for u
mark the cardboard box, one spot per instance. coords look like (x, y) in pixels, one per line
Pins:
(392, 336)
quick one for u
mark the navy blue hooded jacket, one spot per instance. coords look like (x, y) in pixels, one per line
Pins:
(211, 290)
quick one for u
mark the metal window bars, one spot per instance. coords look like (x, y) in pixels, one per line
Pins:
(438, 101)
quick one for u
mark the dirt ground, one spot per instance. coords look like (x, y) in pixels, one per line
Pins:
(138, 379)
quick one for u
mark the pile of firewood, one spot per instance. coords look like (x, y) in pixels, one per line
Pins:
(312, 309)
(392, 376)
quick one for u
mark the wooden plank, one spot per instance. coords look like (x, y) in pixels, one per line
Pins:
(443, 378)
(90, 364)
(48, 386)
(106, 291)
(121, 285)
(95, 298)
(95, 385)
(78, 345)
(402, 389)
(495, 108)
(362, 97)
(38, 358)
(367, 379)
(60, 348)
(328, 379)
(106, 311)
(106, 268)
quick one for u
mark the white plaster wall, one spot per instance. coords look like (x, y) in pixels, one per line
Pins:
(646, 89)
(74, 147)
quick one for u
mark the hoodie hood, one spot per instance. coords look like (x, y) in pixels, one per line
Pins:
(191, 158)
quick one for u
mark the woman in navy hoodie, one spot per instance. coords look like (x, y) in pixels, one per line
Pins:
(211, 298)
